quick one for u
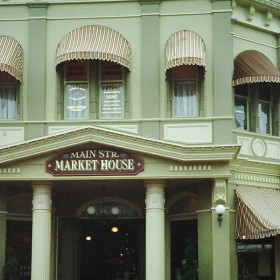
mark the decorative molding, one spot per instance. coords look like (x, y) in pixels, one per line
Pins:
(189, 133)
(182, 168)
(257, 178)
(269, 17)
(220, 191)
(251, 13)
(264, 148)
(101, 136)
(10, 170)
(268, 3)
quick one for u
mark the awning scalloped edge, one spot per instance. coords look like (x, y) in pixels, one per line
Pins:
(256, 79)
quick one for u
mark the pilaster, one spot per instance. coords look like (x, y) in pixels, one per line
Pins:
(150, 59)
(155, 230)
(221, 238)
(222, 69)
(41, 231)
(36, 72)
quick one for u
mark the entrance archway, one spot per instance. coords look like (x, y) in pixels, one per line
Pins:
(110, 239)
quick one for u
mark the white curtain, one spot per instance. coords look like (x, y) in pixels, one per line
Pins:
(8, 102)
(264, 117)
(185, 99)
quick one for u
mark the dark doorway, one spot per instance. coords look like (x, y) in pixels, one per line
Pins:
(184, 250)
(18, 250)
(108, 254)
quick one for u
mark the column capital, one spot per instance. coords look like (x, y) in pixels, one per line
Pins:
(155, 183)
(154, 194)
(41, 195)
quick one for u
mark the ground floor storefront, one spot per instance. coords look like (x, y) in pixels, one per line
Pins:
(129, 209)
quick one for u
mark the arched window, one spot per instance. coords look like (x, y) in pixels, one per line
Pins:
(93, 62)
(256, 87)
(185, 67)
(11, 74)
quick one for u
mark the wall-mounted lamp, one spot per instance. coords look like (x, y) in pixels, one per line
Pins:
(220, 210)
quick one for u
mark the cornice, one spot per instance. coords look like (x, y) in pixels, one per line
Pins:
(101, 136)
(269, 4)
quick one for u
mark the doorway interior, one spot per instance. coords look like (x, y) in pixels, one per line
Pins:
(110, 250)
(184, 243)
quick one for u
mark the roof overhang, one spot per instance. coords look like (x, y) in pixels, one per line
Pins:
(100, 136)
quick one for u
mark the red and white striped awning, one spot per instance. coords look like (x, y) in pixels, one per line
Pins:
(184, 48)
(11, 57)
(258, 212)
(254, 67)
(94, 42)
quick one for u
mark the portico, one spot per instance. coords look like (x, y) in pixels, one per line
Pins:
(156, 182)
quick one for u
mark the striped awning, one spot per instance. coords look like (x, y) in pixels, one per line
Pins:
(94, 42)
(184, 48)
(258, 212)
(11, 57)
(254, 67)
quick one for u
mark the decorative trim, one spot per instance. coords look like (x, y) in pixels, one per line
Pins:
(268, 3)
(257, 178)
(220, 191)
(269, 17)
(251, 13)
(10, 170)
(101, 136)
(181, 168)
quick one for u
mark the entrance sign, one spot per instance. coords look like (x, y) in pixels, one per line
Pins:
(95, 162)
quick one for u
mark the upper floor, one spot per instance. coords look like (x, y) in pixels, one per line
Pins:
(193, 72)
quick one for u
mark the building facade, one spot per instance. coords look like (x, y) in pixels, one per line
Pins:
(125, 125)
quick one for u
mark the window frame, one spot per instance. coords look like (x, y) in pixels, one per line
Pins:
(103, 82)
(75, 82)
(198, 90)
(12, 81)
(253, 113)
(246, 97)
(93, 82)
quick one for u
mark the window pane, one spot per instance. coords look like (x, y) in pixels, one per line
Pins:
(76, 101)
(264, 117)
(8, 102)
(111, 101)
(111, 71)
(76, 71)
(264, 91)
(185, 99)
(240, 113)
(255, 259)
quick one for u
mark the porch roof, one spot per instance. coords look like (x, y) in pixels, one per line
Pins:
(111, 138)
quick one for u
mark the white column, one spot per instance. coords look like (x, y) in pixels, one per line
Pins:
(155, 230)
(41, 231)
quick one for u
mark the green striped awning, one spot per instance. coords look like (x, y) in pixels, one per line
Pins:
(254, 67)
(94, 42)
(11, 57)
(258, 212)
(184, 48)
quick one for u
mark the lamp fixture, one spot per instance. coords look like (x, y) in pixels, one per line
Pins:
(220, 210)
(103, 211)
